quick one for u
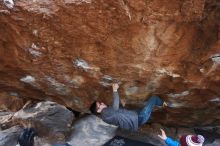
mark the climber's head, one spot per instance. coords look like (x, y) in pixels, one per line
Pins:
(97, 107)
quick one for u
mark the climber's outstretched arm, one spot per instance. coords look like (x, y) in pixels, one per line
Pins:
(116, 98)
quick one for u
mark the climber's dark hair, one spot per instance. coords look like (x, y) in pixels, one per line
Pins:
(93, 108)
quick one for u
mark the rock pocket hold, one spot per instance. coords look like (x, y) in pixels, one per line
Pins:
(9, 3)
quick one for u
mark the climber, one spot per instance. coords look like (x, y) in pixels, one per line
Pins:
(186, 140)
(125, 119)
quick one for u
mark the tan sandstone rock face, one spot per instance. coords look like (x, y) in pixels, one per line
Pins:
(70, 51)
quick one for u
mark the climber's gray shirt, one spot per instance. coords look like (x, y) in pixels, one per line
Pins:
(125, 119)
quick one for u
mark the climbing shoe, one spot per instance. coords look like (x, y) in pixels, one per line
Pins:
(167, 104)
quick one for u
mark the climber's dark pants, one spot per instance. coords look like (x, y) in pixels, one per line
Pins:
(145, 112)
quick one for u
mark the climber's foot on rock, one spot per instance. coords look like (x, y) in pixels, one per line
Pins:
(167, 104)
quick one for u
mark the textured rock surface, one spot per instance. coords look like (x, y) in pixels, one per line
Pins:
(9, 137)
(69, 51)
(50, 119)
(216, 143)
(11, 101)
(91, 130)
(6, 120)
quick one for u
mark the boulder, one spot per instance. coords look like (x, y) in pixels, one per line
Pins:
(49, 118)
(70, 51)
(10, 136)
(91, 131)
